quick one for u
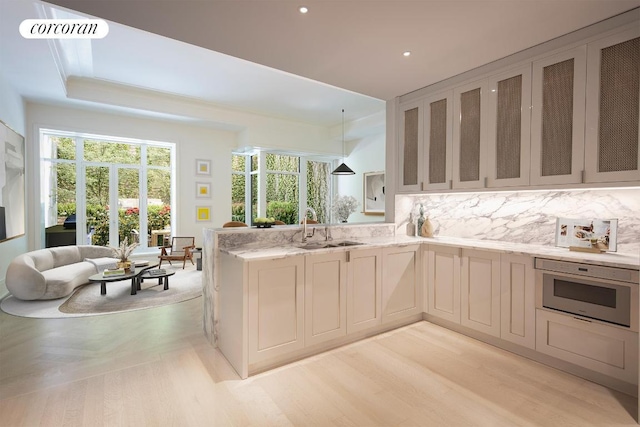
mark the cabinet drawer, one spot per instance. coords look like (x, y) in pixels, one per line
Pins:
(605, 349)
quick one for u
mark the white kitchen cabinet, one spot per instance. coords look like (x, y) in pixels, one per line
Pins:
(402, 291)
(606, 349)
(410, 147)
(364, 289)
(325, 296)
(517, 300)
(443, 282)
(275, 307)
(480, 291)
(558, 118)
(469, 135)
(509, 128)
(438, 139)
(613, 108)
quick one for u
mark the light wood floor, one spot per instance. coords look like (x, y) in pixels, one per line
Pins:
(154, 368)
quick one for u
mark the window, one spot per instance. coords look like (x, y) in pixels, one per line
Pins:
(117, 188)
(279, 186)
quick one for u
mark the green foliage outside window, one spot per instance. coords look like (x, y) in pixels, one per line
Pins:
(159, 217)
(97, 185)
(282, 192)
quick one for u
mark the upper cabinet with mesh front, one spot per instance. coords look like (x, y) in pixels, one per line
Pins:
(564, 113)
(613, 108)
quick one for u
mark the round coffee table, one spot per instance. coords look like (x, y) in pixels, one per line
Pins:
(162, 276)
(134, 276)
(99, 278)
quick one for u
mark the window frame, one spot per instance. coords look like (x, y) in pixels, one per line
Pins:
(48, 157)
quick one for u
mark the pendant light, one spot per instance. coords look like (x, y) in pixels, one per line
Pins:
(343, 169)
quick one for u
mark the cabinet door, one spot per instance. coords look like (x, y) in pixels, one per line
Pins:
(401, 285)
(613, 108)
(606, 349)
(517, 300)
(364, 289)
(276, 307)
(557, 119)
(480, 291)
(325, 295)
(509, 129)
(469, 135)
(438, 149)
(410, 146)
(443, 282)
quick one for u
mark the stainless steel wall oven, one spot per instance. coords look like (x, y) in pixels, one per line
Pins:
(606, 294)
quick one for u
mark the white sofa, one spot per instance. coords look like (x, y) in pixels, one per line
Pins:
(54, 272)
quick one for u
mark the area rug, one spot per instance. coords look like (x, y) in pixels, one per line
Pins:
(86, 300)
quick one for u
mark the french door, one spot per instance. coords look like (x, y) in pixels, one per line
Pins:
(111, 205)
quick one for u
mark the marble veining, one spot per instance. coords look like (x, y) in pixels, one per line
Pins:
(525, 216)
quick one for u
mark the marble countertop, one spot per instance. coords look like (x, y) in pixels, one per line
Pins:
(261, 251)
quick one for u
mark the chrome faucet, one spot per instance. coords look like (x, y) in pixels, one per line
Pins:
(305, 234)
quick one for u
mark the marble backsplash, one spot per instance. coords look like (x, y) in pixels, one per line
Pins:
(524, 216)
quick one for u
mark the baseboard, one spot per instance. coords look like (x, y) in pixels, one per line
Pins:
(579, 371)
(259, 367)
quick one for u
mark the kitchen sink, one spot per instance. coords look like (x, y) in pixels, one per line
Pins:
(325, 245)
(318, 245)
(344, 243)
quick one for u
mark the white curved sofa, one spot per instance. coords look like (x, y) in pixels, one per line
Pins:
(54, 272)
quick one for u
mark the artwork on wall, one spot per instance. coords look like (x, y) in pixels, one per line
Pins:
(203, 213)
(12, 184)
(203, 190)
(203, 167)
(373, 193)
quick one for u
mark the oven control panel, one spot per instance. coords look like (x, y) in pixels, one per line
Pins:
(588, 270)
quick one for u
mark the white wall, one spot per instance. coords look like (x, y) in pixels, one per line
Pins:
(365, 155)
(12, 112)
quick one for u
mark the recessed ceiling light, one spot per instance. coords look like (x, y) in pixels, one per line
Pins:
(303, 9)
(407, 53)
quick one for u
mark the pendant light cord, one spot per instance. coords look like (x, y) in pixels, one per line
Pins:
(343, 135)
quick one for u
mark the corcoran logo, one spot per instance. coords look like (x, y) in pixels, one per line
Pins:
(64, 28)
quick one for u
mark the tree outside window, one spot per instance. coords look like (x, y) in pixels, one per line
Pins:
(284, 185)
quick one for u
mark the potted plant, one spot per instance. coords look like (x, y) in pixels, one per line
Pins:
(122, 253)
(343, 206)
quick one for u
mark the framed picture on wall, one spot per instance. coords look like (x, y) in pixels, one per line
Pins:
(203, 213)
(203, 167)
(373, 193)
(12, 184)
(203, 190)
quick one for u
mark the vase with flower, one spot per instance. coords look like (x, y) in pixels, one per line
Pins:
(122, 253)
(343, 206)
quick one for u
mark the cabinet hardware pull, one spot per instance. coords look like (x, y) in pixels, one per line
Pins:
(582, 176)
(422, 186)
(348, 256)
(485, 182)
(450, 184)
(582, 320)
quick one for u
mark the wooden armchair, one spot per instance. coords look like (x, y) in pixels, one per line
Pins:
(180, 250)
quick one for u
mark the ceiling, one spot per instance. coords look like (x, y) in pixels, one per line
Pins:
(265, 57)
